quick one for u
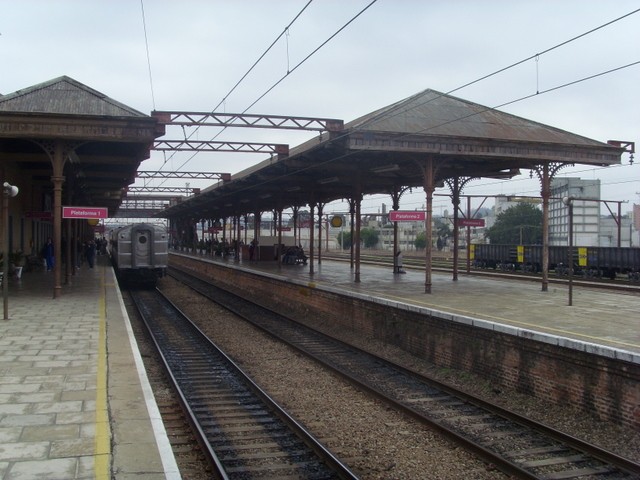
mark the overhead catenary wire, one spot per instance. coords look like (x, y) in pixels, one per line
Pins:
(285, 31)
(289, 72)
(347, 155)
(304, 60)
(495, 72)
(573, 172)
(525, 97)
(535, 56)
(146, 43)
(246, 74)
(399, 112)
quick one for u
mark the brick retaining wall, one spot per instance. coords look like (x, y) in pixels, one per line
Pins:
(607, 387)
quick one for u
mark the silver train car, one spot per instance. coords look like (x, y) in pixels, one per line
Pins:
(139, 252)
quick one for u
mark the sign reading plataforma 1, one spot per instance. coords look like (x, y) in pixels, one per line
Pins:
(84, 212)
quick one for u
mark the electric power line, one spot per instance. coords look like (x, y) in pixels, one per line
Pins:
(465, 85)
(508, 67)
(146, 43)
(292, 70)
(224, 98)
(310, 55)
(326, 162)
(388, 115)
(590, 77)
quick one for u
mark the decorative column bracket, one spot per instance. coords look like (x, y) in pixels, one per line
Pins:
(456, 185)
(545, 173)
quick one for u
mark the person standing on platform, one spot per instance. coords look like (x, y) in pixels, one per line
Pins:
(91, 253)
(252, 248)
(399, 262)
(47, 253)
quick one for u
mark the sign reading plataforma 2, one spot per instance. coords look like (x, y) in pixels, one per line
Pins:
(407, 216)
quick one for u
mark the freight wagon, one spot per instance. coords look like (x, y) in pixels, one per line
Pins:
(608, 262)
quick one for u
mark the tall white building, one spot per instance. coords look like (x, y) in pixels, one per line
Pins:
(586, 214)
(503, 203)
(610, 232)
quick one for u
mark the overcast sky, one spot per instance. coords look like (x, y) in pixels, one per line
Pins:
(198, 50)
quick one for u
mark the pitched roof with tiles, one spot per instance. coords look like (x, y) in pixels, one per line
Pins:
(434, 113)
(64, 96)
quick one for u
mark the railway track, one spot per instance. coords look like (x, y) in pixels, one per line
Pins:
(187, 451)
(516, 445)
(242, 431)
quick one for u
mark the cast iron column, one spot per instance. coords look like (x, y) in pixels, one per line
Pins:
(312, 207)
(58, 179)
(429, 188)
(358, 202)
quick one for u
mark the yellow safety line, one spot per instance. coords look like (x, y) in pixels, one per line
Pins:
(102, 453)
(509, 321)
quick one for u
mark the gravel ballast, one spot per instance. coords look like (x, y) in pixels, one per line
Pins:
(374, 440)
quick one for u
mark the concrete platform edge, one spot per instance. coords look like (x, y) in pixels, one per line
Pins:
(574, 344)
(170, 467)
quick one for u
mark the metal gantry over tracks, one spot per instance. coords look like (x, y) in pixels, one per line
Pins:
(152, 206)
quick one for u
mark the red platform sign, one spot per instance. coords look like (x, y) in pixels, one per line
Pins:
(84, 212)
(409, 216)
(471, 222)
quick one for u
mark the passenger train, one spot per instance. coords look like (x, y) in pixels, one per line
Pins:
(593, 262)
(139, 253)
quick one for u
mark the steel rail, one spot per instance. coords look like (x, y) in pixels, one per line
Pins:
(199, 433)
(323, 456)
(628, 468)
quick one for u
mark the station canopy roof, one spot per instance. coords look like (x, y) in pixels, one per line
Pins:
(104, 139)
(387, 149)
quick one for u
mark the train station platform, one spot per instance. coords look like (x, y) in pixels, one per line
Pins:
(598, 318)
(75, 402)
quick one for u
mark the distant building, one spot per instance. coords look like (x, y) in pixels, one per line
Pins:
(609, 231)
(589, 227)
(504, 203)
(407, 235)
(586, 214)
